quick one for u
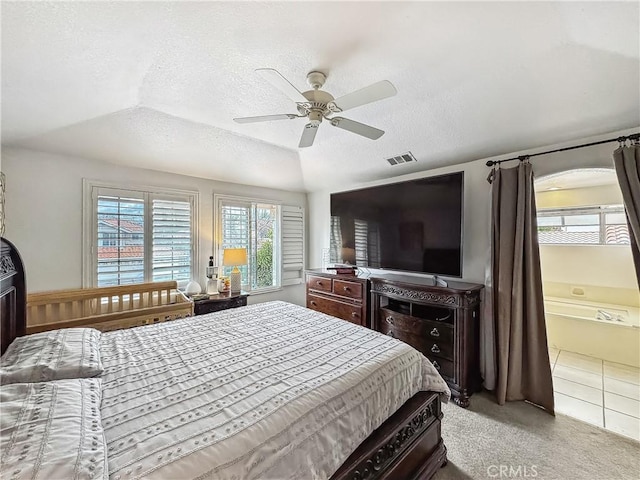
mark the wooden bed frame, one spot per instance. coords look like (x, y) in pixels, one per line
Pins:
(407, 446)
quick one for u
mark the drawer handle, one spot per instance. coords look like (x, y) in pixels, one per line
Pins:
(389, 320)
(346, 289)
(436, 364)
(319, 283)
(354, 314)
(312, 303)
(390, 333)
(435, 348)
(435, 333)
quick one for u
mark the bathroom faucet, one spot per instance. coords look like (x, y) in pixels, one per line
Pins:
(602, 315)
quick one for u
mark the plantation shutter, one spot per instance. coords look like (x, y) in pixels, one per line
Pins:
(136, 236)
(292, 245)
(235, 225)
(171, 239)
(235, 222)
(119, 245)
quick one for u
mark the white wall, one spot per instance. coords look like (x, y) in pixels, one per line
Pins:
(44, 213)
(580, 197)
(588, 265)
(477, 195)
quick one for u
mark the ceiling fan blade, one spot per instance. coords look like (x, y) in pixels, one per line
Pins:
(372, 93)
(265, 118)
(357, 127)
(276, 79)
(308, 135)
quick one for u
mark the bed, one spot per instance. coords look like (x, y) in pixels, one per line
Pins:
(272, 390)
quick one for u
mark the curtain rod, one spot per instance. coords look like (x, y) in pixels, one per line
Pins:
(634, 136)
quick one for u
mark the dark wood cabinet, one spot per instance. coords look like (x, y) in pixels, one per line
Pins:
(222, 301)
(343, 296)
(442, 322)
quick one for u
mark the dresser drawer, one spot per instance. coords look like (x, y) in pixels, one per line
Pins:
(345, 311)
(318, 283)
(439, 332)
(347, 289)
(427, 346)
(444, 367)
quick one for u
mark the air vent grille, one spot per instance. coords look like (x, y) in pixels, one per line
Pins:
(400, 159)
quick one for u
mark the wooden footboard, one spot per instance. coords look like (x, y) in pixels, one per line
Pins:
(107, 308)
(407, 446)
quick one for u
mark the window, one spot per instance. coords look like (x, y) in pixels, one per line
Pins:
(138, 235)
(603, 225)
(271, 233)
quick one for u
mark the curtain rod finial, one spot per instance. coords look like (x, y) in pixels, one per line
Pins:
(490, 163)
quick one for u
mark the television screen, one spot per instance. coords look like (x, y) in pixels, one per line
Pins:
(409, 226)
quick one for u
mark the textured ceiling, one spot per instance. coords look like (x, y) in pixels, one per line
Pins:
(156, 84)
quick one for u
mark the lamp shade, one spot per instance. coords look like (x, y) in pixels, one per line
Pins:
(233, 257)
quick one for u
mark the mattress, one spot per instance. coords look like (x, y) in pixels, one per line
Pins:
(272, 390)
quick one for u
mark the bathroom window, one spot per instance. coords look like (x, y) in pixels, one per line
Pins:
(603, 225)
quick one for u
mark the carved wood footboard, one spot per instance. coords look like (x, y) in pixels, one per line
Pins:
(406, 446)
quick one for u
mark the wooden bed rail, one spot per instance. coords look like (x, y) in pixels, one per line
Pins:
(107, 308)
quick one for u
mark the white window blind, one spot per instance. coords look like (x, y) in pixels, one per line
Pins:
(120, 239)
(136, 236)
(235, 222)
(272, 234)
(292, 245)
(172, 240)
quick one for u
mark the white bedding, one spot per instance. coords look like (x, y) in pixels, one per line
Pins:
(269, 391)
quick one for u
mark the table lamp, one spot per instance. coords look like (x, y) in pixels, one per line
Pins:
(233, 257)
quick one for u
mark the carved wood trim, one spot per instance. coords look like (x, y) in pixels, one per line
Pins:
(439, 298)
(386, 454)
(7, 267)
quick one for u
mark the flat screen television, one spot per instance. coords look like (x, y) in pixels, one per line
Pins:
(413, 226)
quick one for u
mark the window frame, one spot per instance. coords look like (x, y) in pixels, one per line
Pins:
(600, 210)
(218, 201)
(90, 190)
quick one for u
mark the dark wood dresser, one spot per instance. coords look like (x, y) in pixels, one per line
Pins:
(441, 322)
(343, 296)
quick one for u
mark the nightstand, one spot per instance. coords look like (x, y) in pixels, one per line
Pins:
(221, 301)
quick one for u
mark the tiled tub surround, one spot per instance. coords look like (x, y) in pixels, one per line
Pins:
(596, 391)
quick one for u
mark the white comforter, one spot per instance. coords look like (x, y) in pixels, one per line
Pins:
(269, 391)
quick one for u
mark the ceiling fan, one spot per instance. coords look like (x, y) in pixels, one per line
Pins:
(317, 104)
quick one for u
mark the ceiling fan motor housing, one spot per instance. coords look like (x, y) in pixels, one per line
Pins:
(316, 79)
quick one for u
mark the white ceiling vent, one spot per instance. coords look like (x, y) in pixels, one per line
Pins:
(400, 159)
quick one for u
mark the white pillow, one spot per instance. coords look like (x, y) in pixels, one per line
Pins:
(54, 355)
(52, 430)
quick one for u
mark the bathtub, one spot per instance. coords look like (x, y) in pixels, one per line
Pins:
(610, 332)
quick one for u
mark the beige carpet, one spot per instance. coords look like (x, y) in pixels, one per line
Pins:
(519, 440)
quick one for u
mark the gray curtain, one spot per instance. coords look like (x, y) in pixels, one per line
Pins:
(522, 355)
(627, 163)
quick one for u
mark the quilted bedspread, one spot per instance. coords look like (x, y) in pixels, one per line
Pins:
(272, 390)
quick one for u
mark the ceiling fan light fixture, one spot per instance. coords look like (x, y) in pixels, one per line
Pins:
(315, 117)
